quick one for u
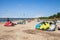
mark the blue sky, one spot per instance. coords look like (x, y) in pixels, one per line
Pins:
(28, 8)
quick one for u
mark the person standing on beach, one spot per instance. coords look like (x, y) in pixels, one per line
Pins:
(8, 20)
(55, 20)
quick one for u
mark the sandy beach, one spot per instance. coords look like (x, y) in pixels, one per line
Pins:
(27, 32)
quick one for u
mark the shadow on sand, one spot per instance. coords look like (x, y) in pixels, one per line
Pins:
(48, 33)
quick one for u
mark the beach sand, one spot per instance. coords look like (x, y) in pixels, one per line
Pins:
(27, 32)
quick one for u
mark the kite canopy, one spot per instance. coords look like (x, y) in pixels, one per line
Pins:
(21, 22)
(46, 26)
(8, 23)
(43, 25)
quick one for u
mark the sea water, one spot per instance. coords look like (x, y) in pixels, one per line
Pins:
(12, 19)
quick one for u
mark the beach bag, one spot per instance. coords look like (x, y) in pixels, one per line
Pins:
(38, 26)
(52, 27)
